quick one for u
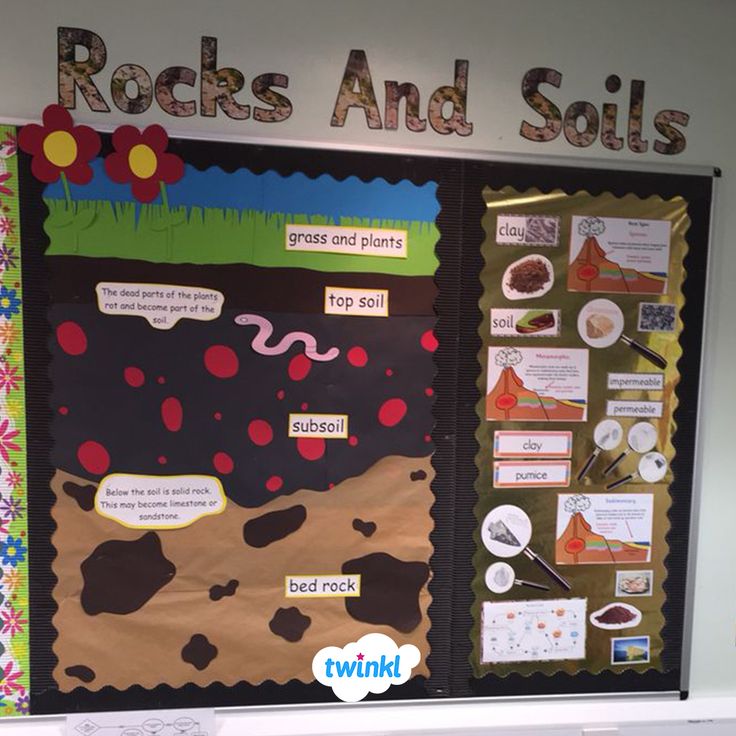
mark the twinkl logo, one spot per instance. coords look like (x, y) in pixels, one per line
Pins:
(370, 665)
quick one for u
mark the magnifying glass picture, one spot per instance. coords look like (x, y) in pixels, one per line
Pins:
(506, 532)
(601, 324)
(642, 437)
(500, 578)
(607, 436)
(652, 468)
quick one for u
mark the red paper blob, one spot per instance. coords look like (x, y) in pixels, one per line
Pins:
(299, 367)
(260, 432)
(134, 377)
(311, 448)
(71, 338)
(172, 413)
(274, 483)
(221, 361)
(223, 463)
(93, 457)
(429, 341)
(357, 356)
(392, 411)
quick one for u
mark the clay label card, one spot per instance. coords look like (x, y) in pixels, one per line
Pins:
(619, 255)
(529, 474)
(509, 443)
(527, 230)
(533, 631)
(525, 322)
(535, 384)
(599, 529)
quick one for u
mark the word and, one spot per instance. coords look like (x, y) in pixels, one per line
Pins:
(322, 586)
(327, 426)
(356, 302)
(162, 305)
(132, 89)
(356, 90)
(158, 501)
(582, 124)
(347, 240)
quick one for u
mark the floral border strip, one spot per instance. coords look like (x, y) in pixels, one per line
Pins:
(14, 645)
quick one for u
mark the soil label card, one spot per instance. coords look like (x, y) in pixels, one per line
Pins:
(606, 528)
(619, 255)
(533, 631)
(535, 384)
(525, 322)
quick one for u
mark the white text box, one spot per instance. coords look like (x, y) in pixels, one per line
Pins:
(529, 474)
(328, 426)
(634, 408)
(158, 501)
(322, 586)
(161, 305)
(636, 381)
(354, 241)
(356, 302)
(531, 444)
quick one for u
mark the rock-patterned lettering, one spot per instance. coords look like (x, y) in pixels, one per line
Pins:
(73, 73)
(357, 74)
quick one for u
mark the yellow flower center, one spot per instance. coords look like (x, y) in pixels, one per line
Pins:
(10, 552)
(142, 161)
(5, 302)
(60, 148)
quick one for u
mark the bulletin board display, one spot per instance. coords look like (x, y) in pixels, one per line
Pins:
(260, 401)
(590, 295)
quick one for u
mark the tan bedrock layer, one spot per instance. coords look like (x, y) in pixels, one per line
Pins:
(145, 647)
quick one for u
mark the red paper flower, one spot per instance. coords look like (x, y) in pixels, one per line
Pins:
(58, 146)
(140, 159)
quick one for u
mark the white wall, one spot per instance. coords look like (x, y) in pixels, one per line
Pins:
(682, 49)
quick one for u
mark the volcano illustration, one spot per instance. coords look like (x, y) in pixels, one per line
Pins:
(592, 271)
(580, 545)
(510, 400)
